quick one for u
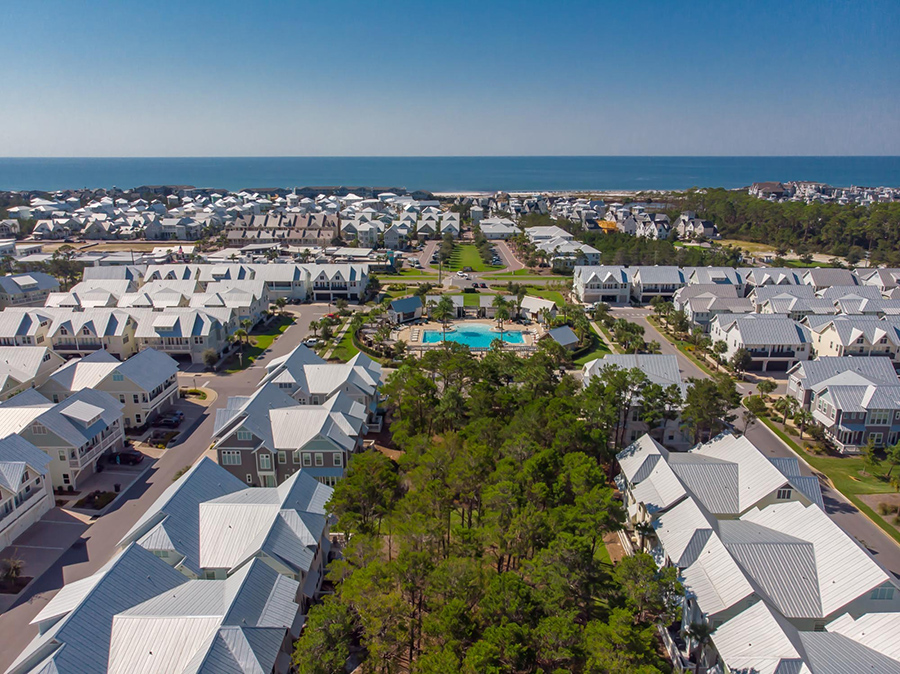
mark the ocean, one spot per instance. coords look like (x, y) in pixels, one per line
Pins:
(445, 174)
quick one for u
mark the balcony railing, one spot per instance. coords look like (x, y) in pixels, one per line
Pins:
(95, 451)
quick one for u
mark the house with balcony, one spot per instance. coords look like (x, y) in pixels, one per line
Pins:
(703, 302)
(78, 333)
(210, 525)
(854, 336)
(184, 332)
(885, 279)
(716, 276)
(854, 413)
(810, 376)
(24, 367)
(608, 284)
(267, 437)
(25, 327)
(822, 278)
(775, 343)
(26, 492)
(145, 384)
(782, 277)
(26, 290)
(649, 282)
(75, 433)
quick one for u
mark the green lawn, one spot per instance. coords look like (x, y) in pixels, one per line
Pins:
(849, 475)
(600, 349)
(409, 271)
(345, 349)
(466, 255)
(260, 340)
(797, 264)
(554, 295)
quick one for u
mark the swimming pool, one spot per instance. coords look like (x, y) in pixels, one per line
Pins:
(473, 335)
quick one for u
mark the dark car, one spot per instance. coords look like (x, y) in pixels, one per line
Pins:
(126, 458)
(170, 419)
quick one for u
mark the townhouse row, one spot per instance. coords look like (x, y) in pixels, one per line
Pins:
(784, 588)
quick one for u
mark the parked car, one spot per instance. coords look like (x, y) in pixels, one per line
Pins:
(170, 419)
(312, 341)
(126, 458)
(461, 274)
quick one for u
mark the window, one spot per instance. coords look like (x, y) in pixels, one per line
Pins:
(122, 398)
(338, 459)
(231, 457)
(244, 435)
(249, 478)
(265, 461)
(819, 627)
(137, 419)
(117, 376)
(884, 592)
(320, 459)
(282, 457)
(136, 399)
(879, 417)
(56, 397)
(62, 455)
(66, 478)
(784, 494)
(37, 429)
(876, 438)
(307, 459)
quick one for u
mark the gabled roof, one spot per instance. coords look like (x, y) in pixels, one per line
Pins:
(86, 372)
(874, 369)
(172, 522)
(194, 626)
(844, 570)
(76, 624)
(16, 456)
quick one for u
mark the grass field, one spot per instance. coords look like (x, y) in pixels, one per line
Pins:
(600, 349)
(466, 255)
(797, 264)
(345, 349)
(751, 246)
(260, 341)
(554, 295)
(849, 475)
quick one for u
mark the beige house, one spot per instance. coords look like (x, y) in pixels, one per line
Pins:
(145, 384)
(25, 492)
(23, 367)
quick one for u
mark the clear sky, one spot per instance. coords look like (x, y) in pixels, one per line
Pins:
(224, 78)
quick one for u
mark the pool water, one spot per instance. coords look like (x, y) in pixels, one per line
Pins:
(473, 335)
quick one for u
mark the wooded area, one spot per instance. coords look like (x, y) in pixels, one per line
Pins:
(481, 550)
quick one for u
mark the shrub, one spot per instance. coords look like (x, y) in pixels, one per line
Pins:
(210, 358)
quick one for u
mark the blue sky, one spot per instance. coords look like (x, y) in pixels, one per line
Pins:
(182, 78)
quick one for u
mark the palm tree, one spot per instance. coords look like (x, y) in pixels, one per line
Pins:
(803, 418)
(699, 635)
(785, 405)
(501, 312)
(12, 568)
(281, 303)
(239, 335)
(246, 323)
(442, 312)
(314, 326)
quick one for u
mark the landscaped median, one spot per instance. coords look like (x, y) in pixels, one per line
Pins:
(260, 339)
(848, 474)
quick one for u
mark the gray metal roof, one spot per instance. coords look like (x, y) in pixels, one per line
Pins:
(876, 369)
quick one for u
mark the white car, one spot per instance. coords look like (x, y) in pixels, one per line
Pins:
(462, 274)
(312, 341)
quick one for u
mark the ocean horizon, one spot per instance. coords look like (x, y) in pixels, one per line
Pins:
(444, 174)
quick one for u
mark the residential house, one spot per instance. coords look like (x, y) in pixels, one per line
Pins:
(774, 342)
(26, 290)
(810, 376)
(854, 412)
(24, 367)
(75, 433)
(145, 384)
(498, 228)
(649, 282)
(209, 525)
(238, 624)
(26, 492)
(607, 284)
(689, 227)
(853, 336)
(660, 369)
(75, 626)
(757, 277)
(25, 327)
(564, 336)
(885, 279)
(821, 278)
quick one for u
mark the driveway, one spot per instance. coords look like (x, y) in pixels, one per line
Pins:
(94, 545)
(844, 513)
(506, 254)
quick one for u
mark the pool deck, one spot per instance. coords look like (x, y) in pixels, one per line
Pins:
(414, 335)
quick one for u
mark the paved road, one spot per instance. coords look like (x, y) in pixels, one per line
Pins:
(506, 254)
(97, 543)
(844, 513)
